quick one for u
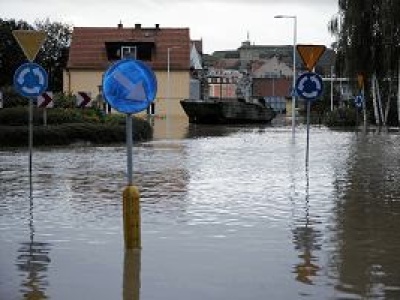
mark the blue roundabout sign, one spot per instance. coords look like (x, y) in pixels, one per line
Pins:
(129, 86)
(309, 86)
(30, 80)
(358, 101)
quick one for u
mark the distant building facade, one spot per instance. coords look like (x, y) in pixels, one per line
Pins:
(271, 69)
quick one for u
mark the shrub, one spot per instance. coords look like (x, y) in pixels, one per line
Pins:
(346, 116)
(62, 100)
(20, 116)
(68, 125)
(66, 134)
(118, 119)
(12, 99)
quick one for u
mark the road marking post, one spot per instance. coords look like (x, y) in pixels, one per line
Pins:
(131, 217)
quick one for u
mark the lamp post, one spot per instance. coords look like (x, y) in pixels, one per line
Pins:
(294, 67)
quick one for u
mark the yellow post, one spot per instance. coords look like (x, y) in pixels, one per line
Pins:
(131, 217)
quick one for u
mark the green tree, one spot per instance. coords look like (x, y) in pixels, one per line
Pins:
(11, 55)
(368, 41)
(54, 54)
(368, 36)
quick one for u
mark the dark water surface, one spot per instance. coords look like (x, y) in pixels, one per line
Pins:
(231, 213)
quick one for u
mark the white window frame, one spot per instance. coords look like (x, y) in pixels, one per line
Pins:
(128, 52)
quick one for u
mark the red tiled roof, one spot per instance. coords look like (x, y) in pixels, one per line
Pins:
(88, 50)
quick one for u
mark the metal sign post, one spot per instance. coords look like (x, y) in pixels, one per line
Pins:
(129, 144)
(309, 86)
(358, 102)
(360, 80)
(30, 143)
(30, 79)
(130, 86)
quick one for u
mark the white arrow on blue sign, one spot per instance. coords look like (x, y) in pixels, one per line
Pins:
(30, 80)
(309, 86)
(358, 101)
(129, 86)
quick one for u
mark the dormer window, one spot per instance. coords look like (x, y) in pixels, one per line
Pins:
(129, 52)
(135, 50)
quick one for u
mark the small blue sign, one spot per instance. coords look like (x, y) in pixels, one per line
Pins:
(309, 86)
(129, 86)
(358, 101)
(30, 80)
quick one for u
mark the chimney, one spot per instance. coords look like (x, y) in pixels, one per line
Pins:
(157, 26)
(138, 26)
(120, 25)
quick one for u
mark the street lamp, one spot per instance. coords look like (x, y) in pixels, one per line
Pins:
(294, 67)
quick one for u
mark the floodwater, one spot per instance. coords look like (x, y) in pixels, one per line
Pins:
(227, 213)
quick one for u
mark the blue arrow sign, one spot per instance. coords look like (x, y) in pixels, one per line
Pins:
(129, 86)
(309, 86)
(30, 80)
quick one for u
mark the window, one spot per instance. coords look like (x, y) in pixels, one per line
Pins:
(138, 50)
(128, 52)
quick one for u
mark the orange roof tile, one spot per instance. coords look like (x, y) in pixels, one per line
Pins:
(88, 49)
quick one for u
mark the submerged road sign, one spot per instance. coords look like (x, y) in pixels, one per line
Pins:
(309, 86)
(30, 41)
(358, 101)
(129, 86)
(310, 54)
(30, 80)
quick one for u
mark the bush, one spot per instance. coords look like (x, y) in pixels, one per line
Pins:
(20, 116)
(62, 100)
(346, 116)
(66, 134)
(67, 126)
(12, 99)
(118, 119)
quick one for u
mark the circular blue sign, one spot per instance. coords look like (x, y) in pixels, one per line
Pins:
(30, 80)
(309, 86)
(129, 86)
(358, 101)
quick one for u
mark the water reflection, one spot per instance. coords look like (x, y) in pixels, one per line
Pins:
(368, 211)
(207, 131)
(131, 276)
(305, 239)
(32, 261)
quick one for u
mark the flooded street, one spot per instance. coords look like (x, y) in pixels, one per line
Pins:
(227, 213)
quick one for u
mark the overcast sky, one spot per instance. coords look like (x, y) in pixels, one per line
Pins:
(222, 24)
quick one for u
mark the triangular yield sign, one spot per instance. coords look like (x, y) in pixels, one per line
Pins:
(30, 41)
(310, 54)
